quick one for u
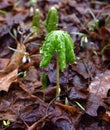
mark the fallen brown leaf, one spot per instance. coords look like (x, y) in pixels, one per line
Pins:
(16, 59)
(98, 90)
(101, 84)
(69, 109)
(6, 4)
(3, 62)
(105, 116)
(93, 104)
(7, 79)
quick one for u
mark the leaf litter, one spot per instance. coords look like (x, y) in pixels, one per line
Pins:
(83, 85)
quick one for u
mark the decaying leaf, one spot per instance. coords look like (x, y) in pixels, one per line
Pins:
(94, 102)
(69, 109)
(3, 62)
(7, 79)
(6, 4)
(101, 84)
(16, 59)
(98, 90)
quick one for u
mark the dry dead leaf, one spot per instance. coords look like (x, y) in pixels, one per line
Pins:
(100, 84)
(3, 62)
(16, 59)
(105, 116)
(69, 109)
(98, 89)
(7, 79)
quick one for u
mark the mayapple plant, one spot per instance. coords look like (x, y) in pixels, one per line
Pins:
(60, 42)
(51, 21)
(36, 20)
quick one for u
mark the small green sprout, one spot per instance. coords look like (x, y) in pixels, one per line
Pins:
(93, 24)
(3, 12)
(60, 42)
(6, 122)
(32, 2)
(84, 38)
(36, 20)
(22, 74)
(51, 21)
(66, 101)
(79, 105)
(104, 48)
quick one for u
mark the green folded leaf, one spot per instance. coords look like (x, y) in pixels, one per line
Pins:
(51, 21)
(36, 20)
(60, 42)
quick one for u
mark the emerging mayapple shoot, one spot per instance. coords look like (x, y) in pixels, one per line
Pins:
(36, 20)
(60, 42)
(51, 21)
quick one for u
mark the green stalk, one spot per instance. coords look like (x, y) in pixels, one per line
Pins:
(57, 78)
(44, 83)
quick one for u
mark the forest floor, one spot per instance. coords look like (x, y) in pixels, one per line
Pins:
(85, 85)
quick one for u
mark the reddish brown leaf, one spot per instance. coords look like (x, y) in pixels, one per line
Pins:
(16, 59)
(69, 109)
(7, 79)
(6, 4)
(105, 116)
(3, 62)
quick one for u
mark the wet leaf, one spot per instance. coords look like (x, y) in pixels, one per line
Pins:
(92, 123)
(77, 95)
(5, 4)
(16, 59)
(100, 85)
(3, 62)
(7, 79)
(32, 74)
(69, 109)
(93, 103)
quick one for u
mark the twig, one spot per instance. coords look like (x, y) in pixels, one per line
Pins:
(88, 70)
(44, 119)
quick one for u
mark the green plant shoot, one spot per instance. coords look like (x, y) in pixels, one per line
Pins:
(60, 42)
(80, 106)
(84, 38)
(36, 20)
(51, 21)
(32, 2)
(94, 23)
(6, 123)
(44, 80)
(3, 12)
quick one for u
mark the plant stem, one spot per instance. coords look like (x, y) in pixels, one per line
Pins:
(57, 79)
